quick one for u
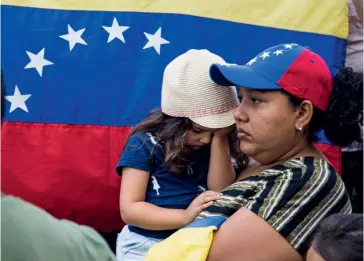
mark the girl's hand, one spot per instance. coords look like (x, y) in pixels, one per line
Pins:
(224, 131)
(199, 204)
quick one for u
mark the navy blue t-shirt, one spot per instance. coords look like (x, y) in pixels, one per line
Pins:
(165, 189)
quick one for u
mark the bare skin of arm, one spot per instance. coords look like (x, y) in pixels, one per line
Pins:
(245, 236)
(221, 172)
(135, 211)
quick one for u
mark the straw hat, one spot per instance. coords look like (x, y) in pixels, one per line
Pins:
(188, 91)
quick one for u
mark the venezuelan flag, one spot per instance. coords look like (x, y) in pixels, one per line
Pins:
(78, 74)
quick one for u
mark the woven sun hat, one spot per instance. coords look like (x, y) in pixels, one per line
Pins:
(188, 91)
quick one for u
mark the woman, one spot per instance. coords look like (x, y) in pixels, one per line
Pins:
(287, 94)
(339, 238)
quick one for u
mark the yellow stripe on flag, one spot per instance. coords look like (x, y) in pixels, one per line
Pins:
(329, 17)
(185, 244)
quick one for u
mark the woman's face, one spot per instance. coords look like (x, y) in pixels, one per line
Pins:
(198, 136)
(266, 124)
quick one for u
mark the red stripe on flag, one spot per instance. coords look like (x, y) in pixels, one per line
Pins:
(68, 170)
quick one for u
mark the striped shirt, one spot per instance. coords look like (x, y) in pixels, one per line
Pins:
(292, 197)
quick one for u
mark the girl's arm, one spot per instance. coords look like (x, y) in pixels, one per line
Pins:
(221, 172)
(135, 211)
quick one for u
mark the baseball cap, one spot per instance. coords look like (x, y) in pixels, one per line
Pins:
(188, 91)
(289, 67)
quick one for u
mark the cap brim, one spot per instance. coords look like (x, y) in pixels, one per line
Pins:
(216, 121)
(240, 76)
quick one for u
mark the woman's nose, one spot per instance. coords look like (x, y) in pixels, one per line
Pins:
(240, 114)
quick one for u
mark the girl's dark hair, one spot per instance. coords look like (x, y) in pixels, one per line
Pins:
(169, 131)
(340, 238)
(341, 121)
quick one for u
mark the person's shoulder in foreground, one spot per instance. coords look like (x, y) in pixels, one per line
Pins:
(31, 234)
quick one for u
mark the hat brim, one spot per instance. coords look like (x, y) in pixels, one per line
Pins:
(216, 121)
(240, 76)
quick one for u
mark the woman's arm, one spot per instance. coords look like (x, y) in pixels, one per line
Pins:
(246, 236)
(135, 211)
(221, 172)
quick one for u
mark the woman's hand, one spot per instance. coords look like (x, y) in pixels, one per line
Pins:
(199, 204)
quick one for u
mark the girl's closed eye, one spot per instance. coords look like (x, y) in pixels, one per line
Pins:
(196, 130)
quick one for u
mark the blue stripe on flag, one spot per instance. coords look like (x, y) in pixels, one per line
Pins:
(118, 83)
(207, 222)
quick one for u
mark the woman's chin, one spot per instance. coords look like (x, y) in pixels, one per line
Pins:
(247, 148)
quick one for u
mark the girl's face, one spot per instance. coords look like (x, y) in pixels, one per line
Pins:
(198, 136)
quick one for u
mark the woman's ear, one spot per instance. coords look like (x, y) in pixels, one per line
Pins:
(304, 115)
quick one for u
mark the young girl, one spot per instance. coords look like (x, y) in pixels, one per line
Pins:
(178, 159)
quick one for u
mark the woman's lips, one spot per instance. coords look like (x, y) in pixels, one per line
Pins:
(242, 134)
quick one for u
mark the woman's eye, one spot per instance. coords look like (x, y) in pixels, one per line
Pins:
(256, 101)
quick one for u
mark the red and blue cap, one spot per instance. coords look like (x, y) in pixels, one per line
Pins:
(289, 67)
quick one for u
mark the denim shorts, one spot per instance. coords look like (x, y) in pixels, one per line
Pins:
(131, 246)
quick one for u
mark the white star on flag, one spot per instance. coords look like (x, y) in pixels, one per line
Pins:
(155, 40)
(252, 61)
(18, 100)
(288, 46)
(37, 61)
(278, 52)
(115, 31)
(73, 37)
(265, 55)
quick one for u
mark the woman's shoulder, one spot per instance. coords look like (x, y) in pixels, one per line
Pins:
(295, 196)
(303, 169)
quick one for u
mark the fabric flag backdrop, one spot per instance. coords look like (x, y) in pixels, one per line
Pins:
(77, 74)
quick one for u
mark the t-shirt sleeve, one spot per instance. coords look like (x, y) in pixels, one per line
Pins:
(292, 201)
(294, 204)
(136, 154)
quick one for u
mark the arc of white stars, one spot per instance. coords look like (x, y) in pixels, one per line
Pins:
(155, 40)
(265, 55)
(252, 61)
(278, 52)
(115, 31)
(18, 100)
(37, 61)
(74, 37)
